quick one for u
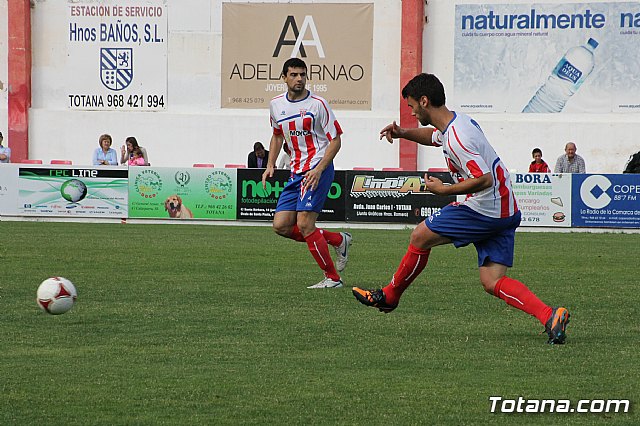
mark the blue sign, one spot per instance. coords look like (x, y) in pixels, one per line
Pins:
(116, 67)
(605, 201)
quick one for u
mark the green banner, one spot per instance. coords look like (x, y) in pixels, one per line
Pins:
(182, 193)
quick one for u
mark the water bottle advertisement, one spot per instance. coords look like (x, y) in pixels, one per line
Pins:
(607, 201)
(549, 58)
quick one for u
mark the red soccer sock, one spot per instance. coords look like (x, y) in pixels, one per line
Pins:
(519, 296)
(412, 264)
(296, 235)
(320, 251)
(333, 238)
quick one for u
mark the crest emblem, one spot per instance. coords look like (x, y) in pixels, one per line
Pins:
(303, 112)
(116, 67)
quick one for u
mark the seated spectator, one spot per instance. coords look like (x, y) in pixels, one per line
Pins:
(105, 155)
(285, 159)
(633, 165)
(538, 165)
(127, 151)
(5, 152)
(570, 162)
(258, 157)
(136, 158)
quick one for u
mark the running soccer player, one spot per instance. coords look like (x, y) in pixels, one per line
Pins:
(487, 218)
(306, 123)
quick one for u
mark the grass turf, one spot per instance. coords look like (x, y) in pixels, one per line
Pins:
(213, 325)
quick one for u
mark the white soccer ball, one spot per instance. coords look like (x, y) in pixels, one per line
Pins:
(56, 295)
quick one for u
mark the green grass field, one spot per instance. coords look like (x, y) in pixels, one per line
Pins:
(187, 324)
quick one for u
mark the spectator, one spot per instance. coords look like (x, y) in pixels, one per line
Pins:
(538, 165)
(136, 158)
(570, 162)
(258, 157)
(5, 152)
(633, 165)
(105, 155)
(312, 171)
(285, 159)
(127, 151)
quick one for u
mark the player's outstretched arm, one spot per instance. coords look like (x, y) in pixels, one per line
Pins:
(419, 135)
(275, 145)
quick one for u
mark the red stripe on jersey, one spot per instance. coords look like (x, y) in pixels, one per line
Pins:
(452, 151)
(308, 139)
(475, 170)
(338, 128)
(503, 191)
(460, 142)
(325, 109)
(278, 131)
(295, 167)
(451, 166)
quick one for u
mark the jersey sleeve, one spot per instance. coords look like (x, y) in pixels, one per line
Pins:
(329, 121)
(436, 138)
(277, 129)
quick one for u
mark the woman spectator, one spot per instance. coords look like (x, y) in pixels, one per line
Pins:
(538, 165)
(105, 155)
(127, 152)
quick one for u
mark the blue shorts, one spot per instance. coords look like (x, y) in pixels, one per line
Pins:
(493, 238)
(293, 199)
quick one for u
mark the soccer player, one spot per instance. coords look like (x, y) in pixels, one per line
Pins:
(306, 123)
(487, 218)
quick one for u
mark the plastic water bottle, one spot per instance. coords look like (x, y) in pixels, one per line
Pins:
(566, 78)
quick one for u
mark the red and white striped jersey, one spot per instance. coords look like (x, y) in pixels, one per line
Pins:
(468, 154)
(308, 125)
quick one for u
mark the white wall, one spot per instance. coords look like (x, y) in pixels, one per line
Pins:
(194, 129)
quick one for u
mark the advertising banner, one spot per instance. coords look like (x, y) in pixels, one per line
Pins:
(399, 197)
(119, 47)
(257, 38)
(549, 57)
(543, 199)
(72, 191)
(182, 193)
(258, 203)
(8, 189)
(606, 201)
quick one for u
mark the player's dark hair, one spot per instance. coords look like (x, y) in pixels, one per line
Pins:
(536, 150)
(425, 85)
(293, 63)
(133, 141)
